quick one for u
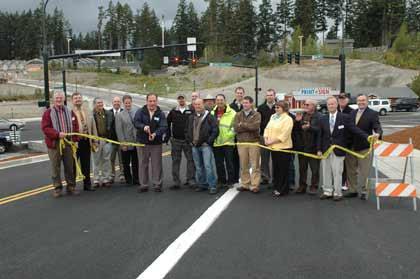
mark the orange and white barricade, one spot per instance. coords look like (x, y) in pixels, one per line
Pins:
(386, 188)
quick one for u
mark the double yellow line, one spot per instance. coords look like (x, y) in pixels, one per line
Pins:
(42, 189)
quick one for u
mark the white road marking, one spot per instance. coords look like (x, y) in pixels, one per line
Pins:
(169, 258)
(23, 161)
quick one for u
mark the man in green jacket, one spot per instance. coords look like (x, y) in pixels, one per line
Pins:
(223, 154)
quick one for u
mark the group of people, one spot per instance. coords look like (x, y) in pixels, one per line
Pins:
(225, 145)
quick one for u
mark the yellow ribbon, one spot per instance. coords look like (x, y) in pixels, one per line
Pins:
(325, 155)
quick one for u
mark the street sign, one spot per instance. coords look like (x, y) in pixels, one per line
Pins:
(220, 65)
(192, 40)
(165, 60)
(317, 57)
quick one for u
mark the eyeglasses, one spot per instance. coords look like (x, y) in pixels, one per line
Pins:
(306, 104)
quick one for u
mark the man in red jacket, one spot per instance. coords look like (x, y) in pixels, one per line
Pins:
(57, 121)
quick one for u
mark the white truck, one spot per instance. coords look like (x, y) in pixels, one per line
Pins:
(383, 106)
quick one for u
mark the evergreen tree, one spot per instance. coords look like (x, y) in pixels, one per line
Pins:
(321, 13)
(283, 21)
(335, 12)
(305, 17)
(99, 26)
(265, 25)
(246, 25)
(413, 15)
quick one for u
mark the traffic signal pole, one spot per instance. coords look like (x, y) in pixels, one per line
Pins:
(46, 102)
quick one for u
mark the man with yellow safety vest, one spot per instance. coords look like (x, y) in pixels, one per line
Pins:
(223, 155)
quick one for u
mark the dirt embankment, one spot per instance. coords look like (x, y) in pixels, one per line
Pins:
(404, 136)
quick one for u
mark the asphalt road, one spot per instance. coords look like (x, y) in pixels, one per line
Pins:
(396, 121)
(118, 233)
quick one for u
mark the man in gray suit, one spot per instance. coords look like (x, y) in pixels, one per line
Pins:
(126, 132)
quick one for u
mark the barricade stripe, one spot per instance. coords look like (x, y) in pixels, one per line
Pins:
(397, 151)
(400, 188)
(389, 189)
(389, 150)
(380, 147)
(380, 187)
(409, 149)
(408, 192)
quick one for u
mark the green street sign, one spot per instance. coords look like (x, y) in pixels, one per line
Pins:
(317, 57)
(221, 65)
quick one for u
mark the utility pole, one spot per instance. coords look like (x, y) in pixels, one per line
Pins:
(163, 31)
(45, 54)
(343, 61)
(301, 44)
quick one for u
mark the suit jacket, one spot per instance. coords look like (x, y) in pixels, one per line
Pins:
(124, 127)
(342, 128)
(368, 122)
(113, 132)
(109, 116)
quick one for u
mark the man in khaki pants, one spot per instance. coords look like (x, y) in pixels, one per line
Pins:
(358, 169)
(247, 127)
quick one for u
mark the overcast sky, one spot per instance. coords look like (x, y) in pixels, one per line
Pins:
(82, 14)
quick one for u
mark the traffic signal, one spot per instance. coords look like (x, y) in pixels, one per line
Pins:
(281, 58)
(194, 62)
(297, 58)
(176, 60)
(289, 58)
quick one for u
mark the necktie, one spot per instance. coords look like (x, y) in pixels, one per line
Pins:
(332, 123)
(358, 116)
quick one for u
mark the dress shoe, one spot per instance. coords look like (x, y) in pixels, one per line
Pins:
(301, 190)
(276, 193)
(175, 187)
(350, 195)
(88, 188)
(57, 193)
(71, 191)
(242, 189)
(363, 197)
(213, 191)
(264, 182)
(255, 190)
(324, 197)
(337, 198)
(313, 190)
(142, 189)
(158, 189)
(200, 189)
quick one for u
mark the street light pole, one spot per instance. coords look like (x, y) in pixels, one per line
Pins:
(163, 31)
(301, 45)
(343, 60)
(68, 45)
(45, 55)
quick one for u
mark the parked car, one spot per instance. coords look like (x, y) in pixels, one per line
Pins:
(6, 124)
(407, 104)
(383, 106)
(5, 141)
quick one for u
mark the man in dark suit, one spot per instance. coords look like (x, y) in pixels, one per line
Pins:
(334, 129)
(357, 169)
(343, 107)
